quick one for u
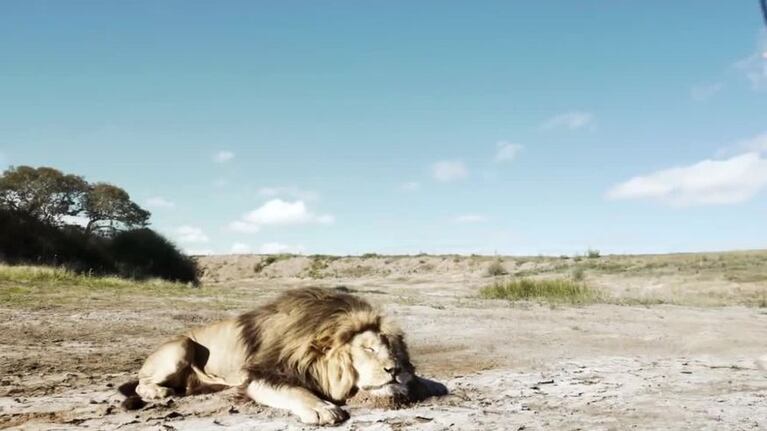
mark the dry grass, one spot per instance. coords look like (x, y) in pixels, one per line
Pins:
(558, 290)
(34, 286)
(496, 268)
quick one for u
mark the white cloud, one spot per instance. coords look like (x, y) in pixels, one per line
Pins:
(221, 182)
(278, 212)
(754, 67)
(411, 186)
(708, 182)
(703, 92)
(572, 120)
(292, 192)
(240, 248)
(449, 170)
(506, 151)
(159, 202)
(277, 248)
(223, 156)
(757, 143)
(470, 218)
(191, 234)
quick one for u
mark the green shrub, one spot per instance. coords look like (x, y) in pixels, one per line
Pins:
(549, 290)
(592, 253)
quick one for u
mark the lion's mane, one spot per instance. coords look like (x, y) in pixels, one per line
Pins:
(302, 339)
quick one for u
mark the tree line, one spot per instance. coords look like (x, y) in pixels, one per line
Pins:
(55, 198)
(48, 217)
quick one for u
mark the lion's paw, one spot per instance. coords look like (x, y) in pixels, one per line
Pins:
(325, 413)
(154, 392)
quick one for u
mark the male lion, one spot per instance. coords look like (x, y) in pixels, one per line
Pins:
(307, 351)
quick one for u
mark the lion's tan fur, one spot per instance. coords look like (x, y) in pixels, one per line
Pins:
(300, 340)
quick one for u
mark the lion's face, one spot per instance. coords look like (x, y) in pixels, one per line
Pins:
(382, 365)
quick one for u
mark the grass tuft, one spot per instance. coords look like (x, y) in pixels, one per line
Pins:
(558, 290)
(593, 253)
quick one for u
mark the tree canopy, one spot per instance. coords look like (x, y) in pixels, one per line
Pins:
(110, 207)
(53, 197)
(44, 193)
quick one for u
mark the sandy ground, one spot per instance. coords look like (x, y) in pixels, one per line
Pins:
(508, 366)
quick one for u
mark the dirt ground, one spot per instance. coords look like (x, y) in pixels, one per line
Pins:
(665, 362)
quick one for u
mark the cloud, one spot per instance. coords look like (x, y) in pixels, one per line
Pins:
(757, 143)
(223, 156)
(279, 212)
(191, 234)
(449, 170)
(159, 202)
(293, 192)
(470, 218)
(708, 182)
(754, 67)
(411, 186)
(278, 248)
(572, 120)
(703, 92)
(240, 248)
(506, 151)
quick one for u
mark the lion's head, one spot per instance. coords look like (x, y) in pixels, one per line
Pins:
(329, 341)
(380, 362)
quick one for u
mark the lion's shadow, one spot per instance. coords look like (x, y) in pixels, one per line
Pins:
(421, 388)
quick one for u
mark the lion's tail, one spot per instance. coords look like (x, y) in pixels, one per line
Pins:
(132, 400)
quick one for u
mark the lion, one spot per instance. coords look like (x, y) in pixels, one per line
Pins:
(308, 351)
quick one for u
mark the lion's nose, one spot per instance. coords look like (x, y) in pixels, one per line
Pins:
(393, 370)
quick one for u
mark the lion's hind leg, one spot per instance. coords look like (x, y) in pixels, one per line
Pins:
(165, 371)
(300, 401)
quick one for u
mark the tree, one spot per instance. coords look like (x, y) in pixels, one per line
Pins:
(43, 193)
(108, 208)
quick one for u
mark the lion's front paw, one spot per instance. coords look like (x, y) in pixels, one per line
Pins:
(153, 392)
(325, 413)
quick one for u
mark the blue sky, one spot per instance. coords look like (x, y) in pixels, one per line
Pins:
(403, 127)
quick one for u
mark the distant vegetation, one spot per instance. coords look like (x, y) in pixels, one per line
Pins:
(51, 218)
(40, 286)
(550, 290)
(496, 268)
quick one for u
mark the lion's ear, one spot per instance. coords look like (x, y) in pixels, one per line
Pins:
(322, 345)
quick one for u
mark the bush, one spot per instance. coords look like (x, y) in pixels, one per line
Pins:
(496, 268)
(143, 253)
(592, 254)
(579, 274)
(263, 263)
(550, 290)
(26, 240)
(138, 254)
